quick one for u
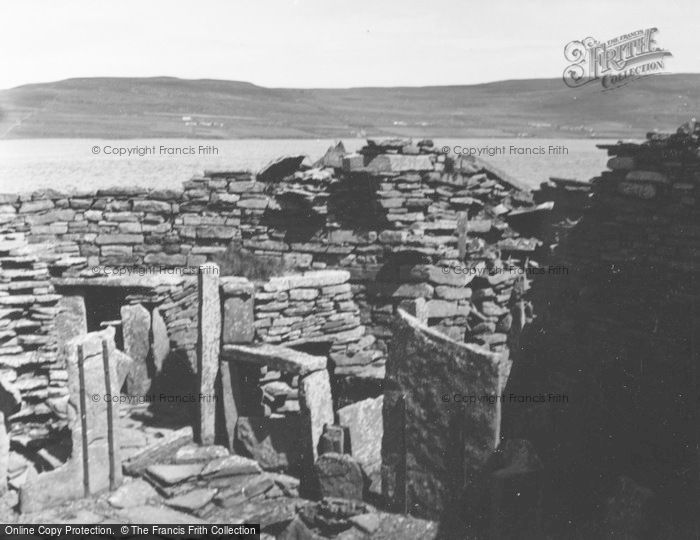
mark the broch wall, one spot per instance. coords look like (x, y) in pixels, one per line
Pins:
(388, 217)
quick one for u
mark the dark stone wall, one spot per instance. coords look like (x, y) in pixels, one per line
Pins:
(616, 336)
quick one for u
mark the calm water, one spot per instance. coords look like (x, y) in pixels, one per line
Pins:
(65, 164)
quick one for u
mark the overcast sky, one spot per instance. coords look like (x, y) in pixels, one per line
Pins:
(324, 43)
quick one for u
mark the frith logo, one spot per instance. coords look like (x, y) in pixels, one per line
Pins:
(615, 62)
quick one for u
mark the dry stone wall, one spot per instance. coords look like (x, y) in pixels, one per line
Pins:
(616, 336)
(397, 225)
(387, 215)
(29, 358)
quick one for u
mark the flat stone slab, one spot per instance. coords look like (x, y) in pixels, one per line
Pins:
(174, 474)
(132, 281)
(279, 168)
(158, 515)
(231, 466)
(192, 500)
(313, 279)
(195, 453)
(162, 450)
(276, 358)
(400, 163)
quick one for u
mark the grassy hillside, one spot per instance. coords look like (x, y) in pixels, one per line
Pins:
(170, 107)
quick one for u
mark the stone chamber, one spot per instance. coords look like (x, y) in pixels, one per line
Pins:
(390, 344)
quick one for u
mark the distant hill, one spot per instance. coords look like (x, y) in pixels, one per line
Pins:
(171, 107)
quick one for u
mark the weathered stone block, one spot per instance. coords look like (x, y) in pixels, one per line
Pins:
(340, 476)
(318, 278)
(400, 163)
(303, 294)
(453, 293)
(128, 239)
(35, 206)
(254, 204)
(216, 233)
(161, 259)
(157, 207)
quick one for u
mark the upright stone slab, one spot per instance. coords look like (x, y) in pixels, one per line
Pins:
(364, 423)
(435, 445)
(71, 321)
(136, 329)
(103, 454)
(160, 341)
(316, 406)
(208, 349)
(238, 310)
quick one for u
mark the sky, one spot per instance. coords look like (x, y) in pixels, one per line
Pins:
(324, 43)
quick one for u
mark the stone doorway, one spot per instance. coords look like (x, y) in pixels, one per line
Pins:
(162, 362)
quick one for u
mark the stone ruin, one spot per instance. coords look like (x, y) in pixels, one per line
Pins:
(342, 385)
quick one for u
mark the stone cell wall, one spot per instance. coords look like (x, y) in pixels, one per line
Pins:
(388, 215)
(402, 220)
(29, 357)
(616, 334)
